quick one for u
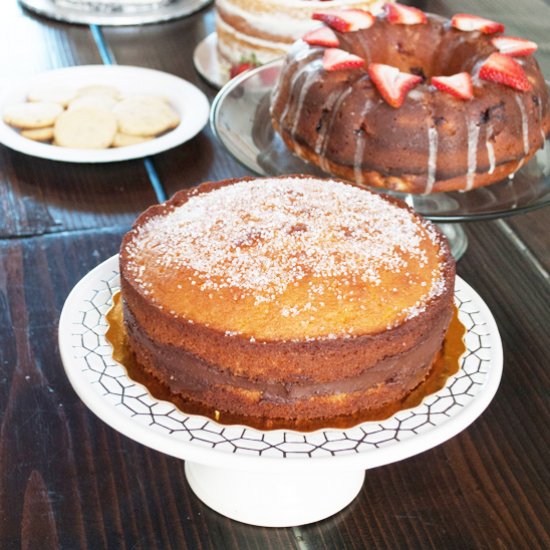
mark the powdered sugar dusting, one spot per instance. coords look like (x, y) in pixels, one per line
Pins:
(260, 237)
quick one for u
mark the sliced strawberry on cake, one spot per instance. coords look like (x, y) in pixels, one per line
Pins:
(335, 59)
(244, 64)
(469, 23)
(392, 84)
(515, 47)
(323, 36)
(346, 20)
(502, 69)
(459, 85)
(404, 15)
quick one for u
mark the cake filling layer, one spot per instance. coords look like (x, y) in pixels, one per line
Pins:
(186, 373)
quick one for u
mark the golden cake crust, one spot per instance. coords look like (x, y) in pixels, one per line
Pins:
(276, 374)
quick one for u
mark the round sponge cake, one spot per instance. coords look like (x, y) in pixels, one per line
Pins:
(286, 300)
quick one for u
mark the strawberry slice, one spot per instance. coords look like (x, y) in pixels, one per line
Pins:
(335, 59)
(502, 69)
(404, 15)
(467, 22)
(323, 36)
(459, 85)
(244, 65)
(392, 84)
(516, 47)
(346, 20)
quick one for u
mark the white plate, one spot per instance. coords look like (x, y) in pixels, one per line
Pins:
(278, 478)
(207, 62)
(89, 16)
(97, 378)
(191, 104)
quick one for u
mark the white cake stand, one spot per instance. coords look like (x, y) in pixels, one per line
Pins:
(276, 478)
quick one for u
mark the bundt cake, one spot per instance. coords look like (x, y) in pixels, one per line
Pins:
(285, 301)
(411, 101)
(253, 32)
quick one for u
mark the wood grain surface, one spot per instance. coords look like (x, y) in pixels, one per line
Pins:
(69, 481)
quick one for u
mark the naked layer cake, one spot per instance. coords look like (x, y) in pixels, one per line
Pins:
(284, 300)
(258, 31)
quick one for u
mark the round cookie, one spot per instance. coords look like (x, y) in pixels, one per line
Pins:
(61, 94)
(85, 128)
(32, 115)
(99, 89)
(38, 134)
(93, 100)
(123, 140)
(145, 116)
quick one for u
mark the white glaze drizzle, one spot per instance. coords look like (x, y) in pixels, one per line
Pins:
(432, 158)
(473, 137)
(327, 106)
(541, 123)
(416, 95)
(365, 47)
(490, 149)
(300, 52)
(524, 124)
(309, 80)
(302, 55)
(335, 109)
(360, 146)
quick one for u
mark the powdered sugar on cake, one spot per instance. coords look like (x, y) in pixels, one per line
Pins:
(260, 237)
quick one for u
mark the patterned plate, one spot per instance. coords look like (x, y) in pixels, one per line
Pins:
(127, 406)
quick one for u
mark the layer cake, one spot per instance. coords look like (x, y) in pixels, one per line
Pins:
(286, 300)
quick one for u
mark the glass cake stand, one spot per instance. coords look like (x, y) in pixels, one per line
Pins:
(277, 478)
(92, 12)
(240, 119)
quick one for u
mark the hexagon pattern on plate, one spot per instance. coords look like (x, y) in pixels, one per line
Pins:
(92, 353)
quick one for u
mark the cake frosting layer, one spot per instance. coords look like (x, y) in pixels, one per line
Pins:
(187, 373)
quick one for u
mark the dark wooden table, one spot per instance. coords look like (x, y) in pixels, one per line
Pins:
(70, 481)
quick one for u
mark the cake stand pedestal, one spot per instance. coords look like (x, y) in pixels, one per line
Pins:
(273, 499)
(277, 478)
(240, 119)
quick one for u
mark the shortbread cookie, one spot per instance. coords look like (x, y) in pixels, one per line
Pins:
(100, 100)
(123, 140)
(38, 134)
(86, 128)
(145, 116)
(99, 89)
(32, 115)
(61, 94)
